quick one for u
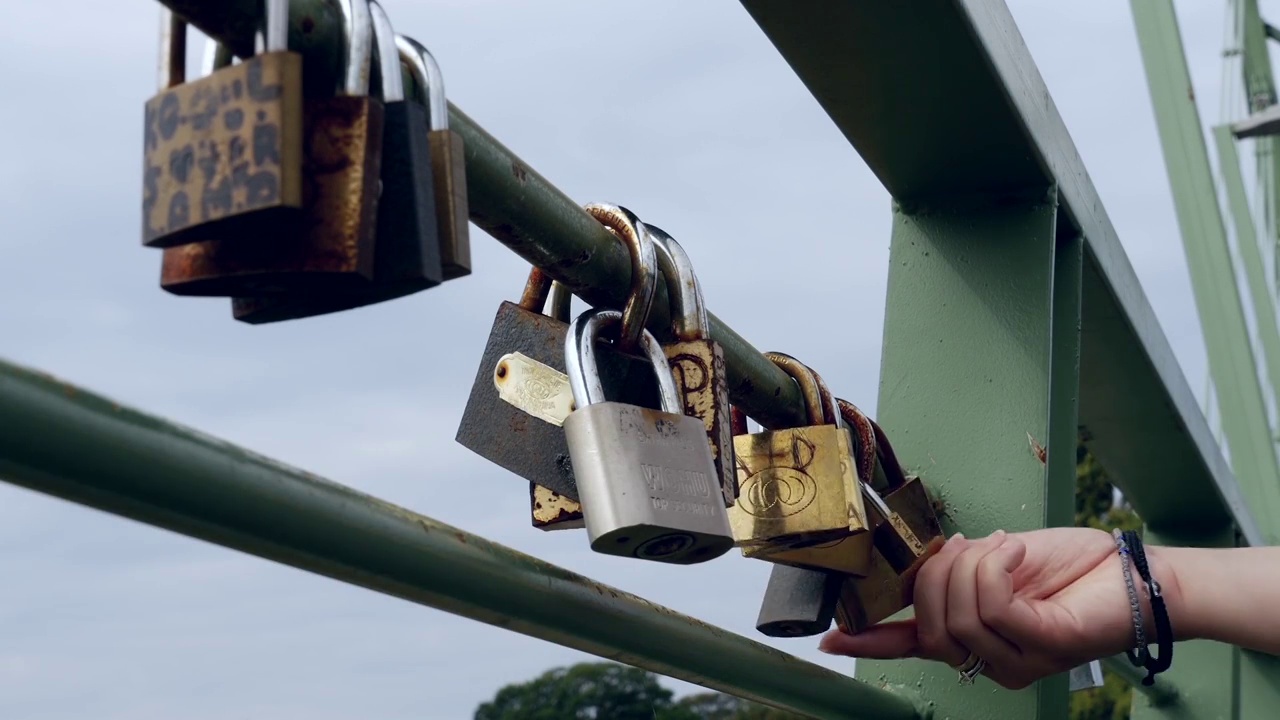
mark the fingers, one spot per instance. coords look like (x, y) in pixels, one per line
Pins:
(964, 619)
(930, 599)
(998, 609)
(886, 641)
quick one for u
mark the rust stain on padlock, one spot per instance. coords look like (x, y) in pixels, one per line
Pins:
(553, 511)
(330, 246)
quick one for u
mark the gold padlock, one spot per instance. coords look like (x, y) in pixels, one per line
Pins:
(888, 585)
(851, 554)
(906, 532)
(696, 360)
(797, 486)
(222, 154)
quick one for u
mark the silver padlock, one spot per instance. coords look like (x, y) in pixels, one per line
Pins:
(646, 479)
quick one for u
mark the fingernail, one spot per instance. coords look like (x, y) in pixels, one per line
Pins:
(998, 534)
(958, 536)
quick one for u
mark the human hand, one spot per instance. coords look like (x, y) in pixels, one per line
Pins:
(1030, 604)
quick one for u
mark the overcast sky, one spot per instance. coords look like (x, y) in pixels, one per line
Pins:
(724, 148)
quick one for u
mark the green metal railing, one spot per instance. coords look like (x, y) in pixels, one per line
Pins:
(987, 185)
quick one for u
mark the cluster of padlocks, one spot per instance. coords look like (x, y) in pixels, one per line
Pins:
(297, 197)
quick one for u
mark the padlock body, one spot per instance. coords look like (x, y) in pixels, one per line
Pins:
(647, 484)
(332, 245)
(796, 487)
(406, 256)
(453, 213)
(223, 155)
(886, 588)
(699, 371)
(798, 603)
(514, 420)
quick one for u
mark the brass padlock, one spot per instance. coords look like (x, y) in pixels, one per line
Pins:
(906, 532)
(797, 486)
(548, 509)
(696, 361)
(851, 554)
(448, 163)
(331, 245)
(222, 155)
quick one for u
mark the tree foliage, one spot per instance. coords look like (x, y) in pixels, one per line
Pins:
(610, 691)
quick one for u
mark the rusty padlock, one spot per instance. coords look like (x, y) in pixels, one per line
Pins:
(222, 155)
(406, 253)
(331, 244)
(514, 412)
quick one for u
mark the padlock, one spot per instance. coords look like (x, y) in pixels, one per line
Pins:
(797, 486)
(406, 257)
(906, 533)
(646, 480)
(222, 155)
(448, 162)
(798, 602)
(851, 554)
(548, 509)
(509, 418)
(331, 244)
(696, 360)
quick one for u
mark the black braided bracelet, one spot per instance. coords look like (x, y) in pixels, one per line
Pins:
(1164, 630)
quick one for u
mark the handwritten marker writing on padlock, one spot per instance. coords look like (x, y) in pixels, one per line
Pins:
(696, 360)
(646, 480)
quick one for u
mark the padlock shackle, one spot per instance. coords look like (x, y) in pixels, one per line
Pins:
(357, 29)
(384, 39)
(425, 72)
(584, 372)
(173, 49)
(815, 405)
(684, 292)
(544, 295)
(272, 35)
(644, 269)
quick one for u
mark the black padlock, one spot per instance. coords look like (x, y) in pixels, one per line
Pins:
(407, 250)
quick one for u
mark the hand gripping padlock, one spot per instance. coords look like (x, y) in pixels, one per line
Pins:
(797, 486)
(513, 414)
(696, 360)
(406, 257)
(222, 155)
(331, 244)
(646, 480)
(448, 162)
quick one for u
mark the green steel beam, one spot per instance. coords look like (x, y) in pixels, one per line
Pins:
(943, 99)
(1205, 673)
(64, 441)
(1204, 239)
(522, 210)
(1264, 307)
(996, 301)
(1260, 89)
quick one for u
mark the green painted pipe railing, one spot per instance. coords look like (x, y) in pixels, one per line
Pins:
(64, 441)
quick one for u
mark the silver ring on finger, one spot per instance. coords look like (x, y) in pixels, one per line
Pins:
(971, 669)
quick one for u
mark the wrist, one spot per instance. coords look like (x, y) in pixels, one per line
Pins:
(1162, 562)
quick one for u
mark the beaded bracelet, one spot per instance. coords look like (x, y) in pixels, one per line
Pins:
(1139, 654)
